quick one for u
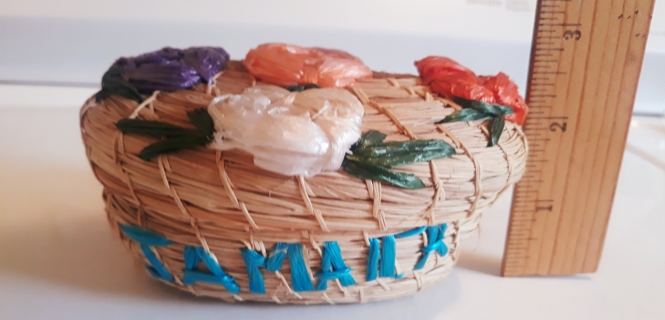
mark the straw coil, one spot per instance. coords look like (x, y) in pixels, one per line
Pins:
(222, 203)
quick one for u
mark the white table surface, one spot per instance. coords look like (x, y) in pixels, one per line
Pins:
(59, 260)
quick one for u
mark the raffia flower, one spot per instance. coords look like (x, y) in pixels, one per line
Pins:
(290, 133)
(168, 69)
(286, 65)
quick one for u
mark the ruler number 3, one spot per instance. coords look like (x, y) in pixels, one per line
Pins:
(555, 125)
(572, 34)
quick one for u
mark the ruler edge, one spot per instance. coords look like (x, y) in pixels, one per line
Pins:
(504, 259)
(605, 216)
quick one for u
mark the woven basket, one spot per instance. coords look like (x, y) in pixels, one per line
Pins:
(213, 224)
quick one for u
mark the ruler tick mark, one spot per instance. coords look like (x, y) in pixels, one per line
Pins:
(561, 24)
(549, 49)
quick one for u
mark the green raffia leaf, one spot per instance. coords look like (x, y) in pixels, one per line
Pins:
(503, 110)
(377, 173)
(393, 154)
(476, 110)
(495, 130)
(153, 128)
(112, 83)
(465, 115)
(177, 138)
(202, 120)
(369, 138)
(311, 86)
(302, 87)
(171, 145)
(372, 158)
(484, 107)
(397, 147)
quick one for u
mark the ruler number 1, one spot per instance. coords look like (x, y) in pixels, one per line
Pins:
(572, 34)
(561, 126)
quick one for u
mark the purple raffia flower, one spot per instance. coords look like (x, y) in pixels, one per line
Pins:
(207, 61)
(171, 69)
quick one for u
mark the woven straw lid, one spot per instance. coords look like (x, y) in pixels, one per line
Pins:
(222, 203)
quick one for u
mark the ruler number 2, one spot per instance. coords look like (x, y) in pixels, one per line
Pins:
(560, 126)
(572, 34)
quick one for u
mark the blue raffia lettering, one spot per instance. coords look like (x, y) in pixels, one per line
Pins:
(435, 236)
(254, 261)
(217, 276)
(300, 278)
(380, 260)
(333, 267)
(147, 239)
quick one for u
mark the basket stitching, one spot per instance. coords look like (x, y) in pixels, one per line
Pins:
(118, 147)
(286, 285)
(370, 188)
(383, 284)
(168, 268)
(508, 162)
(438, 194)
(478, 169)
(394, 119)
(228, 186)
(523, 137)
(110, 199)
(393, 82)
(261, 248)
(192, 221)
(419, 281)
(505, 154)
(327, 299)
(341, 287)
(183, 209)
(436, 181)
(373, 187)
(143, 104)
(302, 184)
(450, 103)
(213, 84)
(83, 114)
(455, 239)
(511, 166)
(377, 213)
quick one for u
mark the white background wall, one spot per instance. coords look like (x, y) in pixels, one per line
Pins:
(501, 20)
(74, 41)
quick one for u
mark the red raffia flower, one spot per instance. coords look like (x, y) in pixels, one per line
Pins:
(450, 79)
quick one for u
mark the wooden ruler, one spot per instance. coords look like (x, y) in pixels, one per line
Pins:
(586, 58)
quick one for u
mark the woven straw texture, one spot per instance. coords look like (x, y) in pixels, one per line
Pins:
(223, 203)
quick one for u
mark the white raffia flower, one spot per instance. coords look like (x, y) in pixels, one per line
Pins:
(290, 133)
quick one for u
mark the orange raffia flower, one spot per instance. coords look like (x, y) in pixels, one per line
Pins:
(450, 79)
(285, 64)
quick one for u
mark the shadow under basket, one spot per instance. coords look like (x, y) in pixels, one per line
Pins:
(213, 224)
